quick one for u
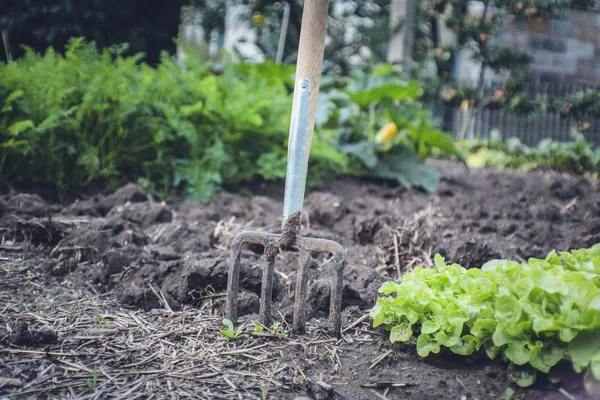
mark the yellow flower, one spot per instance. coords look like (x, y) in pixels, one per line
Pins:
(386, 133)
(465, 104)
(258, 19)
(478, 159)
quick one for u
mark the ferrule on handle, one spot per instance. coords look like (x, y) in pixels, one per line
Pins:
(298, 150)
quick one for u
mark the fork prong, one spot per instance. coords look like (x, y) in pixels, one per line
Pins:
(233, 279)
(300, 295)
(306, 245)
(335, 304)
(266, 293)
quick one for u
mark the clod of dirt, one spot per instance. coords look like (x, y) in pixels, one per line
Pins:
(186, 281)
(22, 336)
(26, 206)
(114, 261)
(365, 231)
(144, 214)
(290, 230)
(182, 237)
(99, 206)
(326, 209)
(469, 254)
(565, 190)
(38, 231)
(360, 289)
(87, 242)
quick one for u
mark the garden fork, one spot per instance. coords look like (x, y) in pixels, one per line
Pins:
(306, 89)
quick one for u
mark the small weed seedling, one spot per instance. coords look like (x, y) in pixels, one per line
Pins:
(230, 333)
(93, 383)
(99, 319)
(206, 291)
(259, 328)
(278, 329)
(264, 390)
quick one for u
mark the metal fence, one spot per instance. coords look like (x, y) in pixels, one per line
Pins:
(530, 130)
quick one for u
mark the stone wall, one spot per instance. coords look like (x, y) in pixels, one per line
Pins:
(564, 50)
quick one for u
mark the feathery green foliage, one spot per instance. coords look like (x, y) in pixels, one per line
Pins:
(99, 118)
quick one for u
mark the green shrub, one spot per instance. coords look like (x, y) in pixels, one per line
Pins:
(376, 120)
(575, 156)
(99, 118)
(533, 313)
(91, 119)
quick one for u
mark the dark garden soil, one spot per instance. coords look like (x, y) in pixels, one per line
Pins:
(136, 257)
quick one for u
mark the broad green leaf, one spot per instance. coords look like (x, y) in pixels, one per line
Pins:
(508, 308)
(364, 150)
(401, 333)
(541, 324)
(584, 348)
(595, 369)
(500, 337)
(439, 262)
(551, 284)
(389, 287)
(406, 167)
(430, 327)
(567, 334)
(517, 352)
(545, 356)
(466, 345)
(365, 89)
(591, 383)
(523, 375)
(436, 138)
(426, 345)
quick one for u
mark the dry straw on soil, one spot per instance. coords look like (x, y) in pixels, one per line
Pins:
(106, 351)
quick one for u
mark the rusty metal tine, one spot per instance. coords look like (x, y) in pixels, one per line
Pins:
(266, 293)
(233, 280)
(300, 296)
(335, 304)
(306, 245)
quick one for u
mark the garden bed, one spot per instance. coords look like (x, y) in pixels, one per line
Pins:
(134, 290)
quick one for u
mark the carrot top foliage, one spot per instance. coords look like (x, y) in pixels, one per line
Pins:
(99, 118)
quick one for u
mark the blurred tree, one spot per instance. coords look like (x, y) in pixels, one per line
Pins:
(473, 25)
(358, 32)
(402, 25)
(148, 26)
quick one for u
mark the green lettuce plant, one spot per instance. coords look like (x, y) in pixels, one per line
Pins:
(534, 313)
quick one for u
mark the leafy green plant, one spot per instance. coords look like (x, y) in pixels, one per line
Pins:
(575, 156)
(91, 119)
(264, 390)
(533, 314)
(230, 333)
(97, 316)
(379, 124)
(93, 382)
